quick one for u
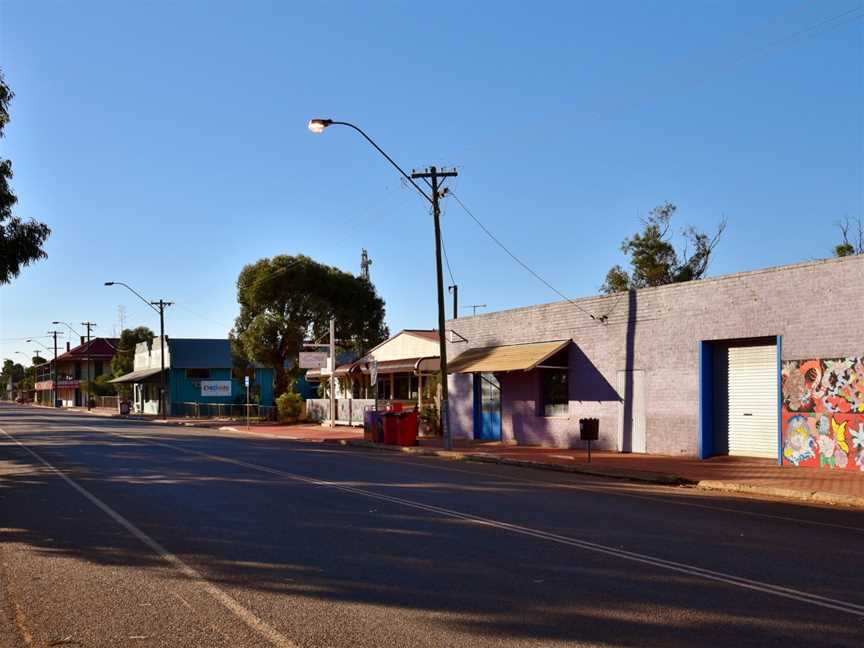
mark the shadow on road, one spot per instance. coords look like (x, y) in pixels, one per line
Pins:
(257, 532)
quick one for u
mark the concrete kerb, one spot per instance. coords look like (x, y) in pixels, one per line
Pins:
(815, 497)
(482, 457)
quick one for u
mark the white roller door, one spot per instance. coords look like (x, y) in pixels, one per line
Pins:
(753, 401)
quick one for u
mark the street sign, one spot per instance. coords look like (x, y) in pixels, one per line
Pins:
(313, 359)
(246, 380)
(373, 372)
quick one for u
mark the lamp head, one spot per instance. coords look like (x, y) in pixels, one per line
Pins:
(317, 126)
(109, 283)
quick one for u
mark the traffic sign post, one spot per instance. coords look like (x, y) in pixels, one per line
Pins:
(373, 379)
(246, 382)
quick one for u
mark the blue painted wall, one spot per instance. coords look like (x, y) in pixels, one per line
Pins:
(188, 390)
(706, 400)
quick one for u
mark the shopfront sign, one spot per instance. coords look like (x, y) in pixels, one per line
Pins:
(215, 387)
(313, 360)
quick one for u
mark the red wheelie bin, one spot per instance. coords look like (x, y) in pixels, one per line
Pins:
(407, 428)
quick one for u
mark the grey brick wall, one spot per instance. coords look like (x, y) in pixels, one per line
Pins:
(817, 308)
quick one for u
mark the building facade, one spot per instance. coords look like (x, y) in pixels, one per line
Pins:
(200, 379)
(72, 370)
(405, 367)
(739, 365)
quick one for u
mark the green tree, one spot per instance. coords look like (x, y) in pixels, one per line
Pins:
(852, 232)
(124, 361)
(11, 369)
(28, 381)
(20, 241)
(288, 299)
(100, 386)
(653, 258)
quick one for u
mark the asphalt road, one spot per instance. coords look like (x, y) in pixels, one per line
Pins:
(119, 533)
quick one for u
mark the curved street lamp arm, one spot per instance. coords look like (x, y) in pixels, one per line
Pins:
(389, 159)
(132, 290)
(66, 324)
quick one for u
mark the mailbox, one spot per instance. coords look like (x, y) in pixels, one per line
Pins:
(589, 429)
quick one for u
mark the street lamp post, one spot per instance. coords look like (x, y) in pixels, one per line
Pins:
(86, 361)
(159, 307)
(431, 177)
(54, 368)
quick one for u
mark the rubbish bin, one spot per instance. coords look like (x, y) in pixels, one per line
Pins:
(371, 425)
(407, 428)
(391, 427)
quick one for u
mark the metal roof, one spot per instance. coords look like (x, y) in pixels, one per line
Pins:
(136, 376)
(513, 357)
(96, 349)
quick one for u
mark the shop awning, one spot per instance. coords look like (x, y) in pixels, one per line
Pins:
(136, 376)
(512, 357)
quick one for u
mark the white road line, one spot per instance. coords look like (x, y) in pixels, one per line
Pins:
(571, 486)
(799, 596)
(555, 486)
(242, 613)
(613, 490)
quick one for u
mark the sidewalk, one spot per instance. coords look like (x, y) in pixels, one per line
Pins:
(731, 474)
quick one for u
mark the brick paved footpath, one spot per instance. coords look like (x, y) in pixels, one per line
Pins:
(727, 473)
(756, 476)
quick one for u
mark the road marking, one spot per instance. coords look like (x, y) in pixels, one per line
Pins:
(797, 595)
(242, 613)
(609, 490)
(569, 485)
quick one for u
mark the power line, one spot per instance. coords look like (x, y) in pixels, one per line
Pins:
(520, 261)
(447, 261)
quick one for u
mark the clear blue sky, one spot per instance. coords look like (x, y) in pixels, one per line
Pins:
(165, 143)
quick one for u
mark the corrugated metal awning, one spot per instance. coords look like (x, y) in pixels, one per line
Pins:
(513, 357)
(136, 376)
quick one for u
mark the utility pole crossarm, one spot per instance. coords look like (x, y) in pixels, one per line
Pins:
(433, 175)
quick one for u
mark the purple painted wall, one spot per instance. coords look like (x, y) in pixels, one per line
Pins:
(657, 331)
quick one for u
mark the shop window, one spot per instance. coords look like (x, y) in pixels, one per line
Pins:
(198, 374)
(402, 387)
(554, 396)
(383, 385)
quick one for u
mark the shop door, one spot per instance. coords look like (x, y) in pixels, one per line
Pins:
(487, 400)
(631, 411)
(752, 407)
(138, 398)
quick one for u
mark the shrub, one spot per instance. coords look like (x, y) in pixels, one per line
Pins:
(289, 406)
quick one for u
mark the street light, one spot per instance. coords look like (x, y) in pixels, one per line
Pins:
(87, 378)
(54, 334)
(67, 325)
(317, 126)
(159, 307)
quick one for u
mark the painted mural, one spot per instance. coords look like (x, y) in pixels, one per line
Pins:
(823, 413)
